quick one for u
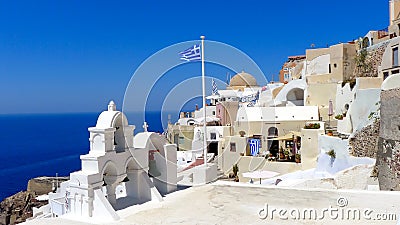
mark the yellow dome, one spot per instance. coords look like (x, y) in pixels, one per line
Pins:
(243, 79)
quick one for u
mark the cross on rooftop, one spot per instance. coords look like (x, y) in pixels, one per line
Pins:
(145, 126)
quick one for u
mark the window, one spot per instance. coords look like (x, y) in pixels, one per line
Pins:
(213, 113)
(385, 75)
(330, 70)
(395, 56)
(285, 69)
(289, 143)
(233, 147)
(272, 131)
(335, 65)
(213, 136)
(181, 140)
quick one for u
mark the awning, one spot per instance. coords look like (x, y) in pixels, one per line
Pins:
(208, 119)
(288, 136)
(213, 97)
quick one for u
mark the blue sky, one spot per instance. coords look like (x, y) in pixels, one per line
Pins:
(74, 56)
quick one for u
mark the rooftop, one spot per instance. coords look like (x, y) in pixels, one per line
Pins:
(235, 203)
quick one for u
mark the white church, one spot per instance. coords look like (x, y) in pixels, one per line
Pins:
(119, 171)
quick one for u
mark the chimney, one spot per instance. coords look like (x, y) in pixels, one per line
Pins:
(391, 12)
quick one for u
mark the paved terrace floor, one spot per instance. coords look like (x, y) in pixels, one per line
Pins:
(221, 203)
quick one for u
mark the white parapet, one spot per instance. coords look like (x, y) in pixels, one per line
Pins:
(205, 174)
(309, 146)
(166, 164)
(344, 126)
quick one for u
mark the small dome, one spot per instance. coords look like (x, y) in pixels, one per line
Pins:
(243, 79)
(111, 118)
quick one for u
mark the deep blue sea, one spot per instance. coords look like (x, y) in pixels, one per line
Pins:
(45, 144)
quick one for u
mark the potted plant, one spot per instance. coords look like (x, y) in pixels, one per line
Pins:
(242, 133)
(281, 153)
(339, 117)
(332, 154)
(330, 132)
(297, 158)
(235, 170)
(312, 126)
(287, 154)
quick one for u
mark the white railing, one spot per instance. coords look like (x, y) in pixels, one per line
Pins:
(58, 206)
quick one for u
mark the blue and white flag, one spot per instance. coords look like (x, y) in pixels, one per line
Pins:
(251, 104)
(254, 146)
(191, 54)
(253, 98)
(214, 87)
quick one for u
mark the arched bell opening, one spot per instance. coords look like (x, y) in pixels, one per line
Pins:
(120, 144)
(109, 177)
(153, 170)
(128, 190)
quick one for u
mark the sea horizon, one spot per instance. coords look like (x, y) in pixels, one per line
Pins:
(43, 144)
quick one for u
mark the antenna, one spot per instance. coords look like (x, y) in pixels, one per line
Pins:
(56, 180)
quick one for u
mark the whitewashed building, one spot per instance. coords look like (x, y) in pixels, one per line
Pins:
(120, 170)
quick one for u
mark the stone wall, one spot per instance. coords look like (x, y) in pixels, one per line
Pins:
(373, 61)
(43, 185)
(388, 155)
(365, 142)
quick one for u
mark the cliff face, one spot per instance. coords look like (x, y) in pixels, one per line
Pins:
(19, 207)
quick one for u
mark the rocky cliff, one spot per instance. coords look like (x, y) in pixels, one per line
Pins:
(17, 208)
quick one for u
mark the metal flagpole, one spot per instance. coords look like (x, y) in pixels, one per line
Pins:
(204, 102)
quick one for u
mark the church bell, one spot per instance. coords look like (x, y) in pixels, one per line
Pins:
(126, 179)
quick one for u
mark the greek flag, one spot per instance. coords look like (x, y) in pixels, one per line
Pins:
(191, 54)
(254, 146)
(214, 87)
(251, 104)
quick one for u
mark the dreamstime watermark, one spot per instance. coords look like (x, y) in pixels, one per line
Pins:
(338, 212)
